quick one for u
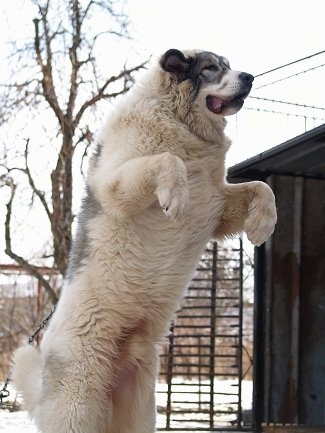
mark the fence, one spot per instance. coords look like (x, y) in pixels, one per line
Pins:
(201, 378)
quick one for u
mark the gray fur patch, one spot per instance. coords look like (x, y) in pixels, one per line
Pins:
(208, 68)
(198, 66)
(97, 153)
(90, 208)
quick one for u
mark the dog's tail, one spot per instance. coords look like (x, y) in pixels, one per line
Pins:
(27, 376)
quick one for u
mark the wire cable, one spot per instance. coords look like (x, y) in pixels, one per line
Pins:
(283, 113)
(291, 63)
(287, 103)
(289, 76)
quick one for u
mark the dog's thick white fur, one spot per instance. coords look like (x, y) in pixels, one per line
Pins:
(156, 193)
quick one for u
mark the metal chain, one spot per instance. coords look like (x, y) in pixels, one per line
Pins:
(41, 326)
(4, 392)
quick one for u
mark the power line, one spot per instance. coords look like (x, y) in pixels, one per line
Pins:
(291, 63)
(289, 76)
(287, 103)
(284, 114)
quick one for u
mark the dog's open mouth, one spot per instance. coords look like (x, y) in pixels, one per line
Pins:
(225, 106)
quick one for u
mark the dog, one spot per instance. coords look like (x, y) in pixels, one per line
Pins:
(155, 195)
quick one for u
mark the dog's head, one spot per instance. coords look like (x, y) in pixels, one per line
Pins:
(221, 90)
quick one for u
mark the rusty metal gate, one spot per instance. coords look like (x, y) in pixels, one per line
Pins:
(200, 381)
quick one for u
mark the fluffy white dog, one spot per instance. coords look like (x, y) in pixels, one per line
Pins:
(156, 193)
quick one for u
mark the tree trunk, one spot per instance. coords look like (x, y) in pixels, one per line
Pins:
(62, 204)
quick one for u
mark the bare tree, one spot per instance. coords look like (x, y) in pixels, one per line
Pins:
(57, 72)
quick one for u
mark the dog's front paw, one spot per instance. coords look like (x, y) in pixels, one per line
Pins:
(173, 200)
(262, 217)
(172, 190)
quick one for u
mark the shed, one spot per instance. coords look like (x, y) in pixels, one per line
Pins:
(289, 353)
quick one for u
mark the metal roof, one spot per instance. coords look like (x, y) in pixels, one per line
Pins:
(303, 155)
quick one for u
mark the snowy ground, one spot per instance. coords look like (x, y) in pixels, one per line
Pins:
(18, 422)
(15, 422)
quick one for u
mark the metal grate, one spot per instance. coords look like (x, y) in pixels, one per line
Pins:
(200, 377)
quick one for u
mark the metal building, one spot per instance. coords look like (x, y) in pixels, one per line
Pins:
(289, 361)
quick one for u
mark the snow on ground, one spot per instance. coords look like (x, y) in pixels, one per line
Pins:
(19, 422)
(16, 422)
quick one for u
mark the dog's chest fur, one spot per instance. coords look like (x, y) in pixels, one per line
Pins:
(148, 258)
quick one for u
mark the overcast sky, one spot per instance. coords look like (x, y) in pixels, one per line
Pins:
(255, 36)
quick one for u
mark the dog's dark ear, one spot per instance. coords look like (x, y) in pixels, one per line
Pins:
(174, 61)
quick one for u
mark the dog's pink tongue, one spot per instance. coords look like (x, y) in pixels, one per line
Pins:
(217, 103)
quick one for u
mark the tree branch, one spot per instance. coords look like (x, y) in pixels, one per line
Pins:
(73, 55)
(46, 67)
(39, 193)
(101, 91)
(32, 270)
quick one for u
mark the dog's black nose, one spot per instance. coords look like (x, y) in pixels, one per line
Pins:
(246, 78)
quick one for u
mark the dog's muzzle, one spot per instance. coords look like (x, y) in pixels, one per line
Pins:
(229, 106)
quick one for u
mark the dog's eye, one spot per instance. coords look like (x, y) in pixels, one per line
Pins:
(211, 68)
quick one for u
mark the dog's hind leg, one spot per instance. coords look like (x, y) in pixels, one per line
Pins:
(75, 395)
(133, 398)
